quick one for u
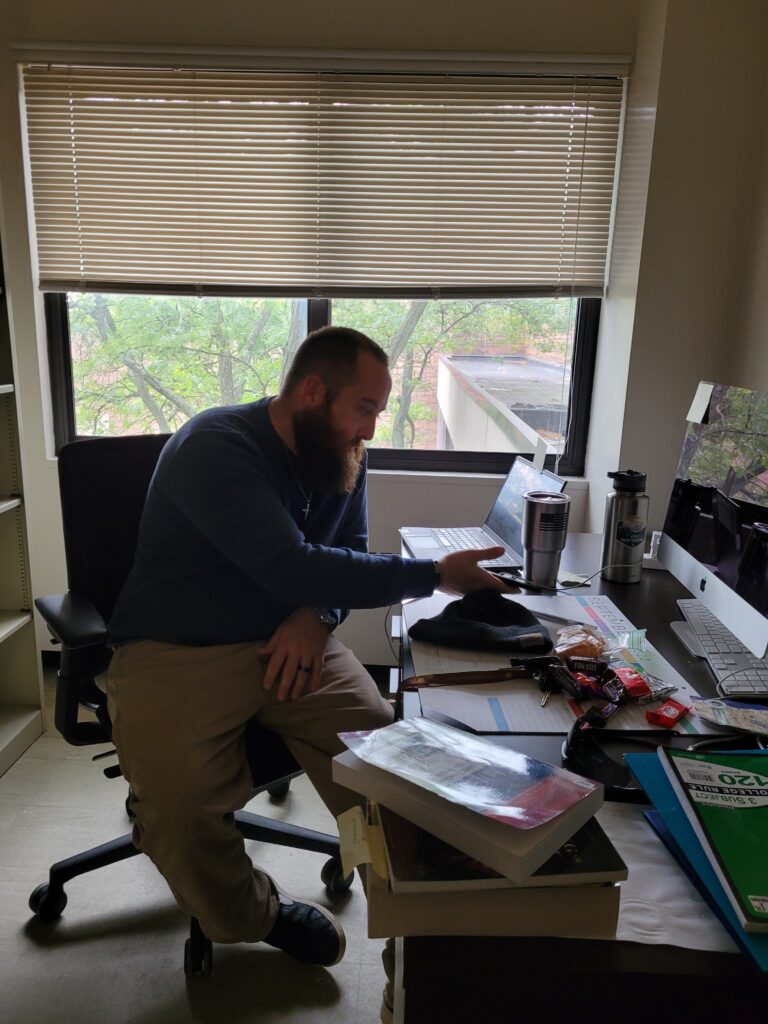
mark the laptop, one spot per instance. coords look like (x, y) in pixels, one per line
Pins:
(503, 526)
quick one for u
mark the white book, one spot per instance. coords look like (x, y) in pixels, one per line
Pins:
(503, 808)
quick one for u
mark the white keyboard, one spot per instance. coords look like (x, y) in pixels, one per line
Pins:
(738, 672)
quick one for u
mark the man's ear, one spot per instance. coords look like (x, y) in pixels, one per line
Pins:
(313, 391)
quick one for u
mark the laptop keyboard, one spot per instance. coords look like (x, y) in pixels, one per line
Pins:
(738, 672)
(462, 538)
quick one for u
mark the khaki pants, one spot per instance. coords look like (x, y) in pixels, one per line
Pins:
(178, 715)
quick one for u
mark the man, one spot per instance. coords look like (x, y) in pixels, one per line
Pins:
(252, 544)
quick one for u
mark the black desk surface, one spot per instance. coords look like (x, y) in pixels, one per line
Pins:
(456, 980)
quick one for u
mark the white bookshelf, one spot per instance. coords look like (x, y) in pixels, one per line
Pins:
(6, 504)
(21, 695)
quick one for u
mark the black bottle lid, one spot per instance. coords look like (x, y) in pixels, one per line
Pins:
(628, 480)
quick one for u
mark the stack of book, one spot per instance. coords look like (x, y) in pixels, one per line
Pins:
(711, 811)
(476, 839)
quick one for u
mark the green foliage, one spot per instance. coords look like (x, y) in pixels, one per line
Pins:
(147, 363)
(730, 450)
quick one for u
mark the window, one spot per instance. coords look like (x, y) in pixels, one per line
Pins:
(476, 376)
(187, 220)
(479, 376)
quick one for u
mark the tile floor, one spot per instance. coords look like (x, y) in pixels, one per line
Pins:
(116, 954)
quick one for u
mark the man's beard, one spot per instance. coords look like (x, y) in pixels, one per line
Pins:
(326, 462)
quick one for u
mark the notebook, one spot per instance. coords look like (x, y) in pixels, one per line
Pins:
(503, 526)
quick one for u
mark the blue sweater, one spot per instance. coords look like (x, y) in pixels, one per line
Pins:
(224, 553)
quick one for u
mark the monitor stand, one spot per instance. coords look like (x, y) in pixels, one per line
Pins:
(688, 638)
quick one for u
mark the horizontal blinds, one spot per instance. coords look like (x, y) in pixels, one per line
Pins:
(320, 183)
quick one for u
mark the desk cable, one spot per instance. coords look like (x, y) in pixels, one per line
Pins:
(563, 588)
(388, 634)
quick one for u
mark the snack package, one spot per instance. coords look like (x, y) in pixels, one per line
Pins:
(633, 640)
(668, 714)
(579, 641)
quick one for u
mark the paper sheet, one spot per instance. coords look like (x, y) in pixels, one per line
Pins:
(540, 454)
(500, 707)
(659, 905)
(700, 402)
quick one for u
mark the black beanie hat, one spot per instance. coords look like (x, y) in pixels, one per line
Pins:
(485, 621)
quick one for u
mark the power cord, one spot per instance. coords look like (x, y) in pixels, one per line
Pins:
(741, 737)
(388, 634)
(513, 580)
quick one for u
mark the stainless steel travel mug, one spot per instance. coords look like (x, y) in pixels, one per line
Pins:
(545, 529)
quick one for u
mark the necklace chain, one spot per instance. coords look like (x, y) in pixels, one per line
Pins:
(307, 497)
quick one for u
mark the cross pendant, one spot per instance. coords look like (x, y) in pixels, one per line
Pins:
(305, 510)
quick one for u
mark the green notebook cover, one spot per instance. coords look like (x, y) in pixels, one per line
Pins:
(725, 797)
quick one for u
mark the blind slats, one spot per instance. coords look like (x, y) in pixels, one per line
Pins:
(320, 183)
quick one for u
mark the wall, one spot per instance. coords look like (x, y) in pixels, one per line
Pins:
(697, 250)
(750, 366)
(617, 320)
(525, 26)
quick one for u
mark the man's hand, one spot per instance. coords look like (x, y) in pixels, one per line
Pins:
(295, 652)
(460, 573)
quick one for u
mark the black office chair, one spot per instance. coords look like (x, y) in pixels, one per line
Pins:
(103, 484)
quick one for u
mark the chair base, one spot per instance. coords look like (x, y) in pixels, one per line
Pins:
(48, 900)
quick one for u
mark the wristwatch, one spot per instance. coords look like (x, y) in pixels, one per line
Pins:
(437, 574)
(327, 618)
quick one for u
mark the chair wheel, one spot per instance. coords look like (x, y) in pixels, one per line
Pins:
(47, 903)
(198, 956)
(280, 791)
(129, 809)
(333, 878)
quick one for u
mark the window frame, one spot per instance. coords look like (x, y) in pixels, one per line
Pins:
(570, 463)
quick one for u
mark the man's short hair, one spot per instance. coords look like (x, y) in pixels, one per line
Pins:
(332, 353)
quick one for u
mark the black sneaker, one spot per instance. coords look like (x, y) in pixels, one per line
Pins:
(306, 931)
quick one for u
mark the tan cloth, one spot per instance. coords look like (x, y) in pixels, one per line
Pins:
(179, 715)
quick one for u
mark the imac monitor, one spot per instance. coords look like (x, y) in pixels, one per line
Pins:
(715, 538)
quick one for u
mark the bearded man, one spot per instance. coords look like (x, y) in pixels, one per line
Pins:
(252, 546)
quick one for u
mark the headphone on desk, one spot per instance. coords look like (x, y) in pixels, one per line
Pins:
(598, 754)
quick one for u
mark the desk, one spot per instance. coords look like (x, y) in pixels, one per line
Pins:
(459, 980)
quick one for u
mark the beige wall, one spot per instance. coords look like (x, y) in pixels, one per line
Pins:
(699, 219)
(696, 295)
(617, 319)
(750, 367)
(544, 26)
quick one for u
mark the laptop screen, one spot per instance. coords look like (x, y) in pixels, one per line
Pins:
(506, 516)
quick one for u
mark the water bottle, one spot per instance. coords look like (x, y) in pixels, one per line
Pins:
(626, 519)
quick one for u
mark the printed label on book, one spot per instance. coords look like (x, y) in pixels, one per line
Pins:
(719, 785)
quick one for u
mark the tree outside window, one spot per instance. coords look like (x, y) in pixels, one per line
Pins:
(144, 364)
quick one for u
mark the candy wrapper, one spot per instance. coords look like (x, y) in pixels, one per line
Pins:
(633, 640)
(579, 641)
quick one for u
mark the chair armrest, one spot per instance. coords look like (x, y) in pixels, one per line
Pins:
(72, 620)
